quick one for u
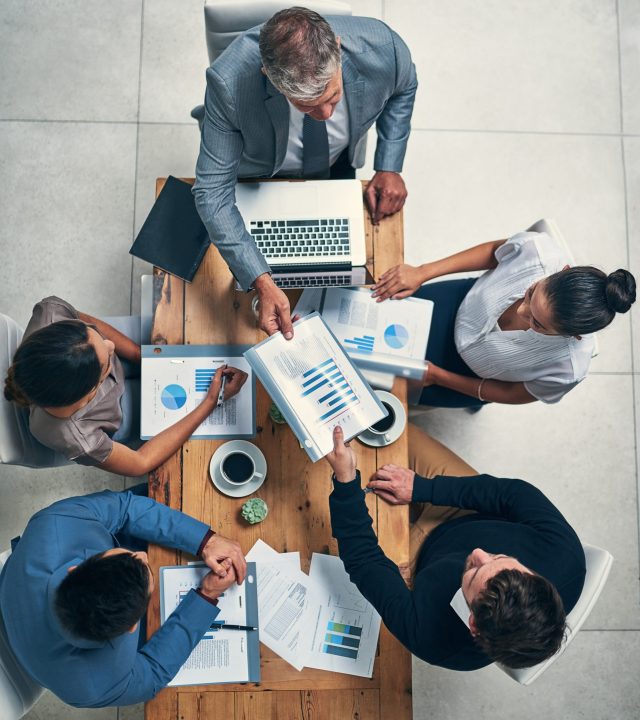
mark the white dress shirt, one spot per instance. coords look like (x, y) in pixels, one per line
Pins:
(549, 365)
(337, 132)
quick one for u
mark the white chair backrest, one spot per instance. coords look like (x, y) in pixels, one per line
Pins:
(226, 19)
(18, 692)
(17, 444)
(550, 227)
(599, 563)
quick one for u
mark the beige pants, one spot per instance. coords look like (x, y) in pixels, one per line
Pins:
(429, 458)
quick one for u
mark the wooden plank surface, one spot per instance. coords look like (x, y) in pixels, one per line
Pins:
(296, 491)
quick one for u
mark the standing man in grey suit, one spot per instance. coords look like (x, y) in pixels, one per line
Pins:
(295, 98)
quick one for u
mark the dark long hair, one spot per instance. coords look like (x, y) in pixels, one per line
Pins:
(583, 299)
(54, 367)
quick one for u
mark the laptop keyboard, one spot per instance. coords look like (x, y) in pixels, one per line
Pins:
(297, 281)
(301, 238)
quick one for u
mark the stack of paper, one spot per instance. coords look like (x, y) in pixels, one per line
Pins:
(318, 620)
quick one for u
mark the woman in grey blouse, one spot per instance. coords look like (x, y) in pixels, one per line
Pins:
(522, 331)
(67, 371)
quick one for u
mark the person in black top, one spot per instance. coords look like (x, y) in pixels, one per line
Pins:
(519, 564)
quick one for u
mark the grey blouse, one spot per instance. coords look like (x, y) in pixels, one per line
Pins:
(85, 437)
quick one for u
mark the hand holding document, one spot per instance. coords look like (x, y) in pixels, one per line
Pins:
(315, 385)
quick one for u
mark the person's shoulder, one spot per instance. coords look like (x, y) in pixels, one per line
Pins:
(240, 59)
(359, 34)
(49, 310)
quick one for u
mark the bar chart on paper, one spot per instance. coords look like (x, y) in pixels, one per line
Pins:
(327, 385)
(341, 639)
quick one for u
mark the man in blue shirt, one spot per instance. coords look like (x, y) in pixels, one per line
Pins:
(72, 598)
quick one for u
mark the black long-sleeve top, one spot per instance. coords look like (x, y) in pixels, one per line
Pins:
(513, 518)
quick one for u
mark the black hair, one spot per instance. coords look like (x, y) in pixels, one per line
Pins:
(103, 597)
(54, 367)
(520, 619)
(584, 300)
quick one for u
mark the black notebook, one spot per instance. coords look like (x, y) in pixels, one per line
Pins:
(173, 237)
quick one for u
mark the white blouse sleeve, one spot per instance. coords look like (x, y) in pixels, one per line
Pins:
(549, 390)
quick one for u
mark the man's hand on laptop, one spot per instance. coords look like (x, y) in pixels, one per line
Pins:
(275, 312)
(385, 194)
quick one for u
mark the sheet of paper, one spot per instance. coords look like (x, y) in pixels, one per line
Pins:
(283, 594)
(310, 301)
(322, 386)
(344, 626)
(171, 387)
(261, 552)
(398, 327)
(221, 656)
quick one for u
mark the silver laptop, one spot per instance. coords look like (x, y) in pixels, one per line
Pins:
(311, 233)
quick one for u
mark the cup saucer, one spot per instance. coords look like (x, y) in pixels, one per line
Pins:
(215, 468)
(395, 431)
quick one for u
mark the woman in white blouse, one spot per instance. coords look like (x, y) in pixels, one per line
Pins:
(522, 331)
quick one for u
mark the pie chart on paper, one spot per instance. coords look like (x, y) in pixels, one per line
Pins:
(173, 397)
(396, 336)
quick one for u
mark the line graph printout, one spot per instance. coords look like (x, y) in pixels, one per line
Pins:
(176, 380)
(315, 385)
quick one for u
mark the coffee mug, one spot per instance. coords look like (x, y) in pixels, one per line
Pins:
(382, 427)
(238, 468)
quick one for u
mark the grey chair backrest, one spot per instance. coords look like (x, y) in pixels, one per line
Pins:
(224, 20)
(18, 692)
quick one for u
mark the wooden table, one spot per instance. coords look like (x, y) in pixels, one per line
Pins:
(210, 311)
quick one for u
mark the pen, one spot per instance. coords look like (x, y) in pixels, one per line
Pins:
(221, 393)
(224, 626)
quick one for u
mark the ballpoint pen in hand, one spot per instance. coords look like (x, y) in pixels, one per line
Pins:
(221, 393)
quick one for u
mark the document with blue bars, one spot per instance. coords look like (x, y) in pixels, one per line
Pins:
(315, 385)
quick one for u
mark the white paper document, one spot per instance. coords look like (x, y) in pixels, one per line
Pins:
(315, 385)
(222, 655)
(398, 327)
(344, 626)
(176, 381)
(282, 598)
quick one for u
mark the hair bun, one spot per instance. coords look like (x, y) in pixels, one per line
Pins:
(620, 291)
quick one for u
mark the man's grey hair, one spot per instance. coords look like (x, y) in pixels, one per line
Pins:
(300, 53)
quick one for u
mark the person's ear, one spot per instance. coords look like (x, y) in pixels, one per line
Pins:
(133, 628)
(338, 40)
(473, 628)
(263, 71)
(72, 568)
(566, 267)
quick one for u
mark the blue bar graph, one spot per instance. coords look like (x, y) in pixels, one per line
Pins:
(203, 378)
(343, 651)
(327, 385)
(363, 344)
(342, 639)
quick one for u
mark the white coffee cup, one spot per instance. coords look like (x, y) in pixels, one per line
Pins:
(238, 468)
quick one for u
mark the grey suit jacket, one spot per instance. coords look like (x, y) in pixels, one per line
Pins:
(246, 125)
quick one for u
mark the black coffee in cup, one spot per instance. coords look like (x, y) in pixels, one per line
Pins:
(387, 422)
(238, 467)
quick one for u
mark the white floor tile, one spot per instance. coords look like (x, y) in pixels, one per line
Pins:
(67, 215)
(595, 679)
(70, 60)
(632, 168)
(581, 454)
(544, 65)
(629, 13)
(50, 708)
(174, 60)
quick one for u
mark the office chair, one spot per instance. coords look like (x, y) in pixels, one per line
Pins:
(18, 692)
(224, 20)
(599, 563)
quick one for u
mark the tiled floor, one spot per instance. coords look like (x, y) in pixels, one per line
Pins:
(526, 108)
